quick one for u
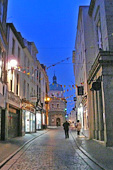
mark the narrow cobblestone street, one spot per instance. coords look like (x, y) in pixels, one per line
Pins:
(51, 151)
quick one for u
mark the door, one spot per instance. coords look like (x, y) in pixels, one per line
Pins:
(58, 122)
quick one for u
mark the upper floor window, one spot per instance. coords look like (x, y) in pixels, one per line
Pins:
(27, 91)
(17, 85)
(39, 77)
(99, 35)
(1, 11)
(52, 105)
(25, 62)
(13, 46)
(28, 66)
(11, 85)
(40, 93)
(57, 105)
(19, 55)
(37, 92)
(24, 88)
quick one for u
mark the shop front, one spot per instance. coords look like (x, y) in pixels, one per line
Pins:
(38, 120)
(28, 117)
(29, 121)
(13, 116)
(80, 115)
(13, 122)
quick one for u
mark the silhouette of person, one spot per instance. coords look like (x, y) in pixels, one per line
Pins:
(78, 126)
(66, 129)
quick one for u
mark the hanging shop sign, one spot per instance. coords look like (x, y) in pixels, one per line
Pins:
(33, 99)
(96, 86)
(74, 98)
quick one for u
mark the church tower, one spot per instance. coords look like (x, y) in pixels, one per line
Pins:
(57, 104)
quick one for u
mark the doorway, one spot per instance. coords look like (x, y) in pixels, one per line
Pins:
(58, 122)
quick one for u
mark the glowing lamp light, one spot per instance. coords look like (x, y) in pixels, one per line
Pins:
(13, 63)
(0, 63)
(47, 99)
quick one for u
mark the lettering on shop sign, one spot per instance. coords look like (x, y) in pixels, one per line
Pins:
(29, 108)
(12, 110)
(13, 98)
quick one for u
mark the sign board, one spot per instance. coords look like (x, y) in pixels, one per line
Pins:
(33, 99)
(96, 86)
(74, 98)
(80, 90)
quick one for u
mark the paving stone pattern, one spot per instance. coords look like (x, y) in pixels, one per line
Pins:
(51, 151)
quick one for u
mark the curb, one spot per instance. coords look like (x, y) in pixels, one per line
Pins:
(14, 153)
(88, 155)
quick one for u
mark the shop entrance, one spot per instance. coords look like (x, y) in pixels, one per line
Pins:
(58, 122)
(13, 125)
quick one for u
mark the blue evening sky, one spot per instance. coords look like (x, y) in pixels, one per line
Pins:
(51, 25)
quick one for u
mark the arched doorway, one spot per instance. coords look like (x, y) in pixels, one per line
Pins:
(58, 122)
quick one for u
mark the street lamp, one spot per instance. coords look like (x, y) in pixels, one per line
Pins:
(47, 99)
(12, 64)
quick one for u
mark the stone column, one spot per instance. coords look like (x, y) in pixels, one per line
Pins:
(93, 113)
(100, 112)
(108, 106)
(96, 115)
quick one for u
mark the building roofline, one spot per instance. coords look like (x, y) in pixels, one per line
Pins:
(17, 34)
(91, 7)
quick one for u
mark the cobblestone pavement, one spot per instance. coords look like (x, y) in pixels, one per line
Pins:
(51, 151)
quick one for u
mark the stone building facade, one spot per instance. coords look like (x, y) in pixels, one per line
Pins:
(96, 53)
(3, 65)
(57, 104)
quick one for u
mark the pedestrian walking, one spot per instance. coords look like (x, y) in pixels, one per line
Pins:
(78, 126)
(66, 129)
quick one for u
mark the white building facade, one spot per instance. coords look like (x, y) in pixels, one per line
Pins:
(26, 89)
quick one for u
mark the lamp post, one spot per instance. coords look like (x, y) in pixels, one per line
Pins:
(47, 99)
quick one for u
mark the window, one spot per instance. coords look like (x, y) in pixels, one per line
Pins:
(57, 105)
(25, 61)
(1, 11)
(39, 77)
(24, 89)
(18, 55)
(52, 105)
(1, 63)
(28, 65)
(37, 73)
(11, 85)
(39, 93)
(13, 46)
(99, 35)
(31, 91)
(32, 73)
(17, 84)
(27, 91)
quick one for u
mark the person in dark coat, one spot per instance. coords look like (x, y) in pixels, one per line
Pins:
(66, 129)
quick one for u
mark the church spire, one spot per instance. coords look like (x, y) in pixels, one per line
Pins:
(54, 79)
